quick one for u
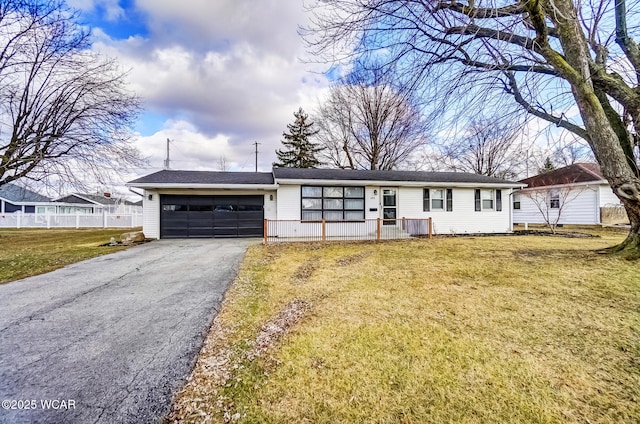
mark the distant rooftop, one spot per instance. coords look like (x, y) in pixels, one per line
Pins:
(16, 194)
(572, 174)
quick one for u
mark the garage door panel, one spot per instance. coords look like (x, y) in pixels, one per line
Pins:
(211, 216)
(196, 232)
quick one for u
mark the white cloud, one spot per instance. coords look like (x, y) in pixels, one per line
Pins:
(230, 69)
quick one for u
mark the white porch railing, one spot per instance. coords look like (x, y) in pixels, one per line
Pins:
(368, 229)
(48, 220)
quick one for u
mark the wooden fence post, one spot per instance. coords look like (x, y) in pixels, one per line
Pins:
(265, 227)
(378, 230)
(430, 227)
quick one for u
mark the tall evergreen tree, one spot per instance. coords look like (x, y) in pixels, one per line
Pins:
(547, 167)
(299, 151)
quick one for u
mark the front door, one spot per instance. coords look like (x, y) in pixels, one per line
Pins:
(389, 206)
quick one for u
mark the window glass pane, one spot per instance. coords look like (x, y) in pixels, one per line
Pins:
(311, 215)
(389, 213)
(311, 191)
(555, 199)
(332, 191)
(487, 199)
(389, 197)
(354, 192)
(333, 215)
(224, 208)
(437, 199)
(333, 203)
(201, 208)
(311, 203)
(354, 204)
(353, 215)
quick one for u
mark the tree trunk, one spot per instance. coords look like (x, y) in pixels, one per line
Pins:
(604, 141)
(630, 247)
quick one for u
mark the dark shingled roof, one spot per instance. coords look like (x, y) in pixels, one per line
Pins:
(377, 175)
(205, 177)
(572, 174)
(89, 199)
(17, 194)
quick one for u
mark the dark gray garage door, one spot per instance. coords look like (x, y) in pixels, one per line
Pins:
(211, 216)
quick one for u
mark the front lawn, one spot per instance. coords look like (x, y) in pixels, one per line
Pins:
(26, 252)
(518, 329)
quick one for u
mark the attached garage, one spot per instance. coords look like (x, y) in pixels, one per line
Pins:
(185, 216)
(206, 204)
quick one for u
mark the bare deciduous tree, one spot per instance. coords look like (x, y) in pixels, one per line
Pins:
(551, 202)
(63, 109)
(545, 56)
(488, 147)
(369, 124)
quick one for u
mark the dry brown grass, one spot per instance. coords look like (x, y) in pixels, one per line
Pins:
(26, 252)
(472, 330)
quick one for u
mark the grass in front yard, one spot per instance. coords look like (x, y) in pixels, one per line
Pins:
(471, 330)
(26, 252)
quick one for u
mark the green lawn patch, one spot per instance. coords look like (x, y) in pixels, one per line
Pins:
(519, 329)
(26, 252)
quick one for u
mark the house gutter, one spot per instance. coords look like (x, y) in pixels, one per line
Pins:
(387, 183)
(160, 186)
(585, 184)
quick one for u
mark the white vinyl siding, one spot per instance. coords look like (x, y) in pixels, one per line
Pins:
(289, 202)
(607, 196)
(463, 219)
(582, 208)
(151, 214)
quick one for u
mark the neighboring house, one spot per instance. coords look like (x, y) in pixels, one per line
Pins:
(14, 198)
(574, 194)
(96, 203)
(234, 204)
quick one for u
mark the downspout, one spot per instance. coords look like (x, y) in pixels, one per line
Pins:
(597, 208)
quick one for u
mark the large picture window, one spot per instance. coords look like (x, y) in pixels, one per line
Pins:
(332, 203)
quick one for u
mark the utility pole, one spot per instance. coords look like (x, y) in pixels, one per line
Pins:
(166, 161)
(256, 144)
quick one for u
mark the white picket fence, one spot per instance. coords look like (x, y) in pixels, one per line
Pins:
(49, 220)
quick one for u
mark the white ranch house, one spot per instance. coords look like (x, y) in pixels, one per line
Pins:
(182, 204)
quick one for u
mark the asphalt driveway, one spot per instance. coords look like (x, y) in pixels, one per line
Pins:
(111, 339)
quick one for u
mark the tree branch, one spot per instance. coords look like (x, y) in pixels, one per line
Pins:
(628, 46)
(513, 89)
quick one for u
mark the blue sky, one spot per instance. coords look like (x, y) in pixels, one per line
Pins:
(214, 77)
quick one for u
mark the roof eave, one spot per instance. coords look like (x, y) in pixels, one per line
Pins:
(580, 184)
(192, 186)
(387, 183)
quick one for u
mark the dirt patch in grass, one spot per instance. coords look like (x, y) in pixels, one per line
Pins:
(277, 327)
(305, 271)
(352, 259)
(490, 329)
